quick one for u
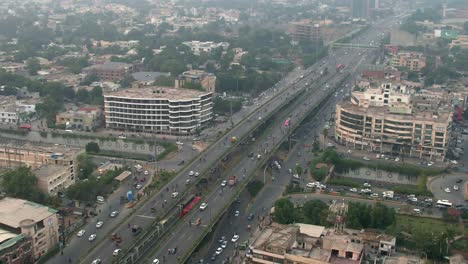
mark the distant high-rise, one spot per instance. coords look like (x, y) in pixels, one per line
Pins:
(360, 8)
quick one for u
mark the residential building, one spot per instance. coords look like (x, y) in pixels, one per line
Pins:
(303, 244)
(305, 30)
(38, 222)
(12, 67)
(413, 61)
(110, 71)
(198, 47)
(84, 118)
(15, 248)
(206, 80)
(54, 179)
(360, 9)
(395, 119)
(8, 110)
(158, 110)
(148, 78)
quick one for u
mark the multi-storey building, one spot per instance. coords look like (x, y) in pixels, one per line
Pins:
(53, 179)
(305, 30)
(158, 110)
(84, 118)
(110, 71)
(35, 221)
(393, 119)
(15, 248)
(413, 61)
(206, 80)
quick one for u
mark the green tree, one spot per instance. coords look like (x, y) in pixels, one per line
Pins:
(127, 81)
(85, 166)
(92, 147)
(314, 211)
(33, 66)
(22, 183)
(284, 211)
(254, 187)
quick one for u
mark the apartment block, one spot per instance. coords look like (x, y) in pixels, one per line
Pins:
(53, 179)
(34, 221)
(305, 30)
(84, 118)
(413, 61)
(394, 119)
(15, 248)
(158, 110)
(206, 80)
(110, 71)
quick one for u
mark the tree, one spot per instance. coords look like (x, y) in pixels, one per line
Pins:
(254, 187)
(22, 183)
(33, 66)
(314, 212)
(92, 147)
(284, 211)
(85, 166)
(127, 81)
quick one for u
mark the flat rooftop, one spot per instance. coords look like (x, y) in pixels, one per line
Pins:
(47, 170)
(10, 145)
(157, 92)
(13, 211)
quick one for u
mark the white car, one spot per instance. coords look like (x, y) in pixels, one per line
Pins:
(366, 184)
(197, 174)
(375, 195)
(156, 261)
(235, 238)
(353, 190)
(397, 159)
(92, 237)
(430, 164)
(179, 143)
(236, 213)
(224, 244)
(447, 190)
(454, 162)
(310, 185)
(146, 172)
(365, 158)
(122, 137)
(96, 261)
(187, 182)
(191, 173)
(219, 251)
(99, 224)
(81, 233)
(203, 206)
(223, 183)
(114, 214)
(455, 188)
(174, 194)
(139, 186)
(116, 252)
(296, 176)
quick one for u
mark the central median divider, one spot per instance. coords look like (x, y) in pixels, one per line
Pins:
(265, 158)
(148, 231)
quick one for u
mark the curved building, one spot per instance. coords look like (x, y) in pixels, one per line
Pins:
(158, 110)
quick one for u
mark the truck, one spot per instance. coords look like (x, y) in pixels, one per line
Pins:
(339, 66)
(232, 180)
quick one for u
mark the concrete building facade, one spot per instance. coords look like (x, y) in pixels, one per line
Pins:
(158, 110)
(110, 71)
(84, 118)
(411, 60)
(305, 30)
(38, 222)
(206, 80)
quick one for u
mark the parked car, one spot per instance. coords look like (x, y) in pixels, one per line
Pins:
(99, 224)
(203, 206)
(81, 233)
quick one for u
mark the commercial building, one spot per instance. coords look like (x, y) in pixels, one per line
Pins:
(305, 30)
(158, 110)
(413, 61)
(360, 9)
(32, 221)
(110, 71)
(395, 119)
(84, 118)
(54, 179)
(198, 47)
(15, 248)
(206, 80)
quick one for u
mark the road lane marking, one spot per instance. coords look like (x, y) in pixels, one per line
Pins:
(146, 216)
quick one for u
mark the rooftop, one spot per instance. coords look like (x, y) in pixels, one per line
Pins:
(195, 74)
(13, 211)
(8, 239)
(48, 170)
(111, 65)
(148, 76)
(311, 230)
(157, 92)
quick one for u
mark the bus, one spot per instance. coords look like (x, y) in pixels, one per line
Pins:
(443, 204)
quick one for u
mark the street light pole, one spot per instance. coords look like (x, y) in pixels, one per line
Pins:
(264, 173)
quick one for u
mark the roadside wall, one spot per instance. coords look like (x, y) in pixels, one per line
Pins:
(379, 175)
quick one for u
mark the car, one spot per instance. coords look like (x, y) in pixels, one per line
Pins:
(221, 239)
(219, 251)
(181, 162)
(146, 172)
(251, 154)
(223, 183)
(114, 213)
(92, 237)
(172, 251)
(81, 233)
(454, 162)
(353, 190)
(296, 176)
(374, 195)
(116, 252)
(430, 163)
(413, 199)
(236, 213)
(99, 224)
(122, 136)
(191, 173)
(235, 238)
(155, 261)
(365, 158)
(397, 159)
(366, 184)
(203, 206)
(250, 217)
(447, 190)
(330, 145)
(138, 186)
(455, 188)
(96, 261)
(174, 194)
(224, 244)
(459, 181)
(179, 143)
(187, 182)
(310, 185)
(213, 257)
(197, 174)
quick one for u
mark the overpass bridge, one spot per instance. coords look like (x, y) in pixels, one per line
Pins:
(352, 46)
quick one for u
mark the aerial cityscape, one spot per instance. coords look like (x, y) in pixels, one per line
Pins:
(233, 131)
